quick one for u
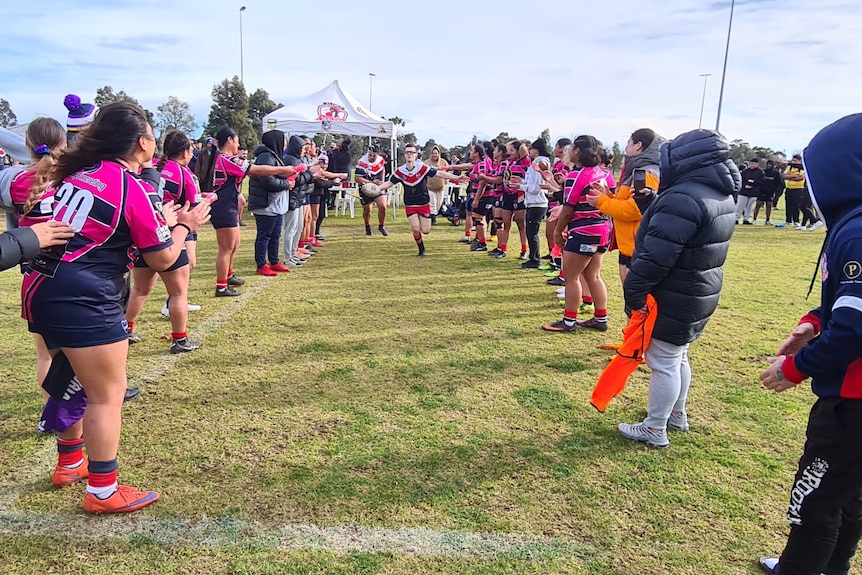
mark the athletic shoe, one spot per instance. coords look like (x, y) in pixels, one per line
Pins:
(227, 292)
(494, 252)
(317, 244)
(367, 230)
(556, 281)
(293, 263)
(595, 324)
(678, 422)
(560, 326)
(586, 308)
(613, 346)
(464, 240)
(561, 290)
(474, 244)
(383, 231)
(523, 256)
(184, 345)
(640, 432)
(746, 223)
(301, 255)
(279, 267)
(65, 477)
(816, 226)
(132, 393)
(482, 248)
(135, 338)
(165, 311)
(124, 500)
(194, 307)
(262, 271)
(500, 255)
(530, 266)
(802, 228)
(547, 257)
(242, 224)
(769, 565)
(320, 237)
(561, 295)
(235, 281)
(545, 267)
(767, 223)
(552, 274)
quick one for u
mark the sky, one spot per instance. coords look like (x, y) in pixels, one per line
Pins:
(455, 69)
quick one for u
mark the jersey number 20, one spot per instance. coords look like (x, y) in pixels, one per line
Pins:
(73, 205)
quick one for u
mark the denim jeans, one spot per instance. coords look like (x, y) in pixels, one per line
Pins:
(268, 239)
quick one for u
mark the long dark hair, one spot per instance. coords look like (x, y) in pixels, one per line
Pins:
(480, 150)
(176, 142)
(588, 151)
(114, 134)
(45, 137)
(222, 136)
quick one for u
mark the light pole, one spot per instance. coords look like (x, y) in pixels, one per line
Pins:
(241, 74)
(371, 77)
(703, 101)
(724, 71)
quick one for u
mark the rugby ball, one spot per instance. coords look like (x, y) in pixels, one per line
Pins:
(371, 190)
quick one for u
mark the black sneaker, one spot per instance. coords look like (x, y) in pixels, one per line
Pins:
(421, 253)
(530, 266)
(473, 245)
(560, 326)
(523, 256)
(493, 253)
(235, 281)
(480, 248)
(367, 230)
(184, 345)
(595, 324)
(557, 281)
(132, 394)
(547, 257)
(500, 255)
(319, 237)
(227, 292)
(464, 240)
(383, 231)
(135, 338)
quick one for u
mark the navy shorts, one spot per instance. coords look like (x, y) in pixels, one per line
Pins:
(510, 203)
(485, 207)
(98, 335)
(315, 200)
(365, 200)
(228, 218)
(183, 260)
(584, 245)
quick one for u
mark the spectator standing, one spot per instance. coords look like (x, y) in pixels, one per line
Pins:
(794, 195)
(752, 180)
(772, 184)
(436, 185)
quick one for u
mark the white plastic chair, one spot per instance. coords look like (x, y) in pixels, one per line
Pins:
(346, 201)
(393, 196)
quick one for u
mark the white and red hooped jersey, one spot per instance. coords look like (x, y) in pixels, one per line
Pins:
(369, 170)
(415, 183)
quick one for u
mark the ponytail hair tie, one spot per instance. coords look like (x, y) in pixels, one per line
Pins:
(42, 150)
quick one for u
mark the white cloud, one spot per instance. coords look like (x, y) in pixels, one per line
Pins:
(455, 69)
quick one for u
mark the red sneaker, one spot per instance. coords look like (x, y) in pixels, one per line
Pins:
(265, 271)
(124, 500)
(317, 244)
(65, 477)
(279, 268)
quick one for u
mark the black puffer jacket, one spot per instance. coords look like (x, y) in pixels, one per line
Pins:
(305, 181)
(682, 241)
(260, 187)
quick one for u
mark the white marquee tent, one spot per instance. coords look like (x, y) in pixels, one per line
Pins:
(332, 110)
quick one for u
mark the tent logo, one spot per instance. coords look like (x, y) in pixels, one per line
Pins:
(272, 124)
(331, 112)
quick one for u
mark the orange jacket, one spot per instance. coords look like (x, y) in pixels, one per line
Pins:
(636, 338)
(627, 217)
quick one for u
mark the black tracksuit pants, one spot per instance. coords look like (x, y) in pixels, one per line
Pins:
(825, 512)
(793, 203)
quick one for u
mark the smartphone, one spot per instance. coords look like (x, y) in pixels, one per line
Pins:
(639, 180)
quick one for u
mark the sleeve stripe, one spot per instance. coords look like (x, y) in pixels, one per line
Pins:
(853, 302)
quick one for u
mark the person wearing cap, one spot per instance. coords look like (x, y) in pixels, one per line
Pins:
(752, 181)
(80, 116)
(371, 169)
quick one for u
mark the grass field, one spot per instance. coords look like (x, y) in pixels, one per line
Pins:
(376, 413)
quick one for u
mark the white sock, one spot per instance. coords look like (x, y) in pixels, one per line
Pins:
(102, 492)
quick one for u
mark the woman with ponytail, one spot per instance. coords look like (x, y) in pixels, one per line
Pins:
(177, 185)
(226, 173)
(71, 295)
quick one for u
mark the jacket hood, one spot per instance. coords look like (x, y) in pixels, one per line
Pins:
(294, 146)
(649, 157)
(699, 156)
(833, 168)
(274, 140)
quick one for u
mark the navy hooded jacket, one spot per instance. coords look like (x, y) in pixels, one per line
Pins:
(833, 167)
(684, 236)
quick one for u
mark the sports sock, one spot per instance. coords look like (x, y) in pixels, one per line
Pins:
(131, 326)
(230, 273)
(176, 336)
(221, 284)
(418, 238)
(70, 452)
(523, 247)
(502, 247)
(588, 300)
(570, 317)
(103, 478)
(601, 315)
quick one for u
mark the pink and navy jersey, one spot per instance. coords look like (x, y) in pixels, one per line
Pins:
(227, 179)
(586, 219)
(179, 185)
(518, 168)
(111, 210)
(369, 170)
(20, 192)
(415, 183)
(557, 197)
(483, 167)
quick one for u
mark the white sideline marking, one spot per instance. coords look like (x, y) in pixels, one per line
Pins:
(340, 539)
(38, 465)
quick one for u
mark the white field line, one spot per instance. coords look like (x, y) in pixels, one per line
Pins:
(340, 539)
(38, 465)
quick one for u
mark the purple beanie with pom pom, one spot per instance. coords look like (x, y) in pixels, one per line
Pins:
(80, 115)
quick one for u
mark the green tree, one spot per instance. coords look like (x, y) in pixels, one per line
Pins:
(230, 108)
(259, 105)
(175, 114)
(7, 116)
(106, 95)
(617, 163)
(546, 136)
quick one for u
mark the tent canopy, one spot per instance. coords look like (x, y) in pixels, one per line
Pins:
(332, 110)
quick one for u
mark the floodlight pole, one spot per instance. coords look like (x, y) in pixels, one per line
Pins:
(724, 71)
(703, 100)
(241, 74)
